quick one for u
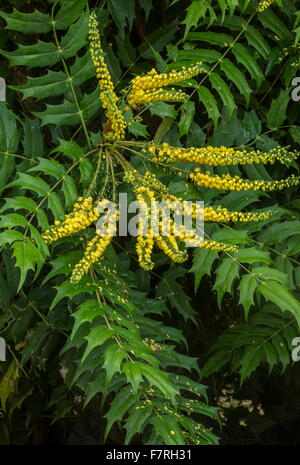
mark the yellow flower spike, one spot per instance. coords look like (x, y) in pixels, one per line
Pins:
(152, 182)
(144, 247)
(93, 252)
(235, 183)
(116, 124)
(264, 4)
(139, 97)
(221, 214)
(217, 214)
(102, 73)
(209, 244)
(169, 246)
(145, 89)
(153, 80)
(219, 156)
(83, 215)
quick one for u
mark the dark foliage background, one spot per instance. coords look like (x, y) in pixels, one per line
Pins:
(241, 335)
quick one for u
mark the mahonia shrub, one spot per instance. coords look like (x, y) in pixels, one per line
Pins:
(85, 312)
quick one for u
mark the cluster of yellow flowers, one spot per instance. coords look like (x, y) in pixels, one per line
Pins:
(192, 240)
(144, 247)
(148, 88)
(83, 215)
(169, 245)
(235, 183)
(157, 95)
(96, 247)
(150, 180)
(264, 4)
(213, 245)
(220, 214)
(93, 252)
(155, 227)
(166, 234)
(217, 215)
(219, 156)
(145, 239)
(108, 97)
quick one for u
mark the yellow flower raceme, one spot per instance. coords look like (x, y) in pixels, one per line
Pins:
(107, 96)
(144, 247)
(102, 73)
(264, 4)
(141, 96)
(93, 252)
(169, 246)
(217, 214)
(148, 88)
(192, 240)
(209, 244)
(235, 183)
(220, 214)
(152, 182)
(116, 122)
(219, 156)
(83, 215)
(96, 246)
(154, 80)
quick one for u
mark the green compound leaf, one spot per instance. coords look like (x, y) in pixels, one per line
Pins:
(124, 9)
(265, 272)
(202, 264)
(252, 255)
(113, 357)
(244, 57)
(41, 54)
(26, 255)
(56, 83)
(50, 167)
(210, 104)
(277, 113)
(9, 236)
(76, 36)
(67, 113)
(275, 292)
(123, 402)
(231, 236)
(27, 23)
(87, 312)
(53, 83)
(26, 181)
(69, 12)
(158, 378)
(213, 38)
(167, 428)
(69, 290)
(96, 337)
(249, 362)
(19, 203)
(9, 135)
(226, 273)
(247, 287)
(133, 374)
(195, 12)
(256, 40)
(236, 76)
(137, 420)
(186, 118)
(223, 90)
